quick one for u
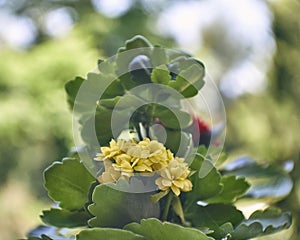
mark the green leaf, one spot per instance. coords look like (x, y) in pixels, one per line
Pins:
(189, 81)
(160, 75)
(214, 217)
(153, 229)
(177, 141)
(172, 117)
(107, 234)
(233, 187)
(206, 186)
(64, 218)
(158, 56)
(68, 182)
(137, 41)
(114, 208)
(262, 223)
(71, 89)
(266, 181)
(114, 89)
(110, 102)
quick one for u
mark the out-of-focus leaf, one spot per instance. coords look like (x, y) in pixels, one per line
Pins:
(65, 219)
(47, 233)
(153, 229)
(270, 182)
(68, 182)
(262, 223)
(107, 234)
(214, 217)
(137, 41)
(114, 208)
(72, 88)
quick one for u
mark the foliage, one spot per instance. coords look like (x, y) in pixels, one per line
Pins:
(206, 211)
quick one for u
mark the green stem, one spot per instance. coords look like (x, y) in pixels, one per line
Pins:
(167, 206)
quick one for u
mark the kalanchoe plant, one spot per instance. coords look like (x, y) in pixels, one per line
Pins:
(149, 185)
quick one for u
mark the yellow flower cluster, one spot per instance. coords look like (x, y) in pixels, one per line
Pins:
(174, 176)
(123, 158)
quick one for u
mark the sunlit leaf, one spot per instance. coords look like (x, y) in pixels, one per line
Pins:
(68, 182)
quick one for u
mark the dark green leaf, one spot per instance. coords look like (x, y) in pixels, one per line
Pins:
(177, 141)
(64, 218)
(233, 187)
(107, 234)
(114, 208)
(262, 223)
(206, 183)
(114, 89)
(72, 88)
(214, 216)
(153, 229)
(110, 102)
(172, 117)
(68, 182)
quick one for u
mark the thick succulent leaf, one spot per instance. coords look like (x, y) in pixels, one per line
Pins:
(270, 182)
(153, 229)
(107, 234)
(65, 219)
(214, 217)
(68, 182)
(233, 187)
(161, 75)
(206, 185)
(262, 223)
(114, 208)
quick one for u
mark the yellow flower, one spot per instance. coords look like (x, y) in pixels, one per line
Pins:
(123, 163)
(110, 174)
(149, 155)
(174, 176)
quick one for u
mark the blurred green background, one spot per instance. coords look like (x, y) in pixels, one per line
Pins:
(251, 49)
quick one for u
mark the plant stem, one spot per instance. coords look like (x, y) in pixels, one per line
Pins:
(167, 206)
(138, 130)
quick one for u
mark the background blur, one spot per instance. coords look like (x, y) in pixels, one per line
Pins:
(251, 49)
